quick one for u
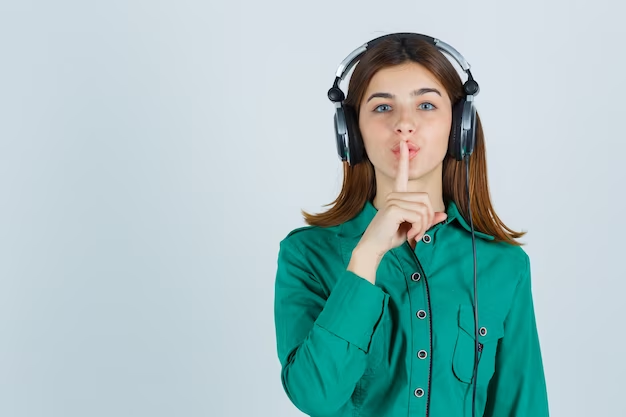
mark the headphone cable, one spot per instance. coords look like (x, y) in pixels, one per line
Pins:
(476, 344)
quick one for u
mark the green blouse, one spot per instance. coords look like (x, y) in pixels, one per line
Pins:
(405, 346)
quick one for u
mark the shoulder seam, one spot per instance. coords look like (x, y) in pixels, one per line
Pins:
(299, 229)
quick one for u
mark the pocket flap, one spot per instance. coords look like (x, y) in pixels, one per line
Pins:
(493, 325)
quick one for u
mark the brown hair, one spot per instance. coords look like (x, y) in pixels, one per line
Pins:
(359, 181)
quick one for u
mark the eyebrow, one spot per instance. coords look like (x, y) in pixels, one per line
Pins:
(414, 93)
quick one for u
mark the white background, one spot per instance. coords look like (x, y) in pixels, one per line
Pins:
(154, 153)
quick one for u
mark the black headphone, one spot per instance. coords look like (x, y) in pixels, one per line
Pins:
(350, 146)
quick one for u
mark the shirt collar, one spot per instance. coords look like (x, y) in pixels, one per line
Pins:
(357, 225)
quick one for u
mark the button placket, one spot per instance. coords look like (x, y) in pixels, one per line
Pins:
(424, 249)
(421, 356)
(421, 366)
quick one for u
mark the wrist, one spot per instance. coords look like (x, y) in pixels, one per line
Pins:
(364, 263)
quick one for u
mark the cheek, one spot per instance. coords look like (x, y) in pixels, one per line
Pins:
(374, 143)
(442, 130)
(370, 131)
(437, 138)
(369, 124)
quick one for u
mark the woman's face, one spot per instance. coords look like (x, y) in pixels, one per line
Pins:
(405, 101)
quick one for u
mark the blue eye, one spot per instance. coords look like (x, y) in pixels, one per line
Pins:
(378, 107)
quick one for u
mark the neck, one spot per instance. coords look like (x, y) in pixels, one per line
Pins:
(430, 183)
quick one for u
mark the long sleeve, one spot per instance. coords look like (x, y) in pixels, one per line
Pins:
(322, 340)
(518, 387)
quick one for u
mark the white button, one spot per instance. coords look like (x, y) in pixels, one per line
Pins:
(419, 392)
(416, 276)
(426, 238)
(421, 314)
(483, 331)
(422, 354)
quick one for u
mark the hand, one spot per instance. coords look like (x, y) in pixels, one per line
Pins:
(405, 215)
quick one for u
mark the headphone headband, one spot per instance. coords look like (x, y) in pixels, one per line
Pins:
(354, 56)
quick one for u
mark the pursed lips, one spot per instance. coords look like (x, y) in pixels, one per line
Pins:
(412, 150)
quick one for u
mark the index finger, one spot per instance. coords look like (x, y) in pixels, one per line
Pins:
(402, 176)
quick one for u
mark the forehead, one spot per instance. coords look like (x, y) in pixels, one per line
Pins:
(402, 79)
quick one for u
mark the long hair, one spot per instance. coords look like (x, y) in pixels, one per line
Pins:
(359, 181)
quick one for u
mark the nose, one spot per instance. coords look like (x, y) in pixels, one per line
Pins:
(405, 128)
(405, 125)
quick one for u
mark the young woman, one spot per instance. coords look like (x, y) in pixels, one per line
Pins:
(374, 299)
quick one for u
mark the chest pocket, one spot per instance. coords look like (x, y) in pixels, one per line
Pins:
(490, 331)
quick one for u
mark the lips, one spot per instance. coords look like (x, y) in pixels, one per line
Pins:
(412, 150)
(412, 154)
(412, 147)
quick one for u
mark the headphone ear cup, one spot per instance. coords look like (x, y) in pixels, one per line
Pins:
(341, 134)
(455, 142)
(355, 141)
(469, 116)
